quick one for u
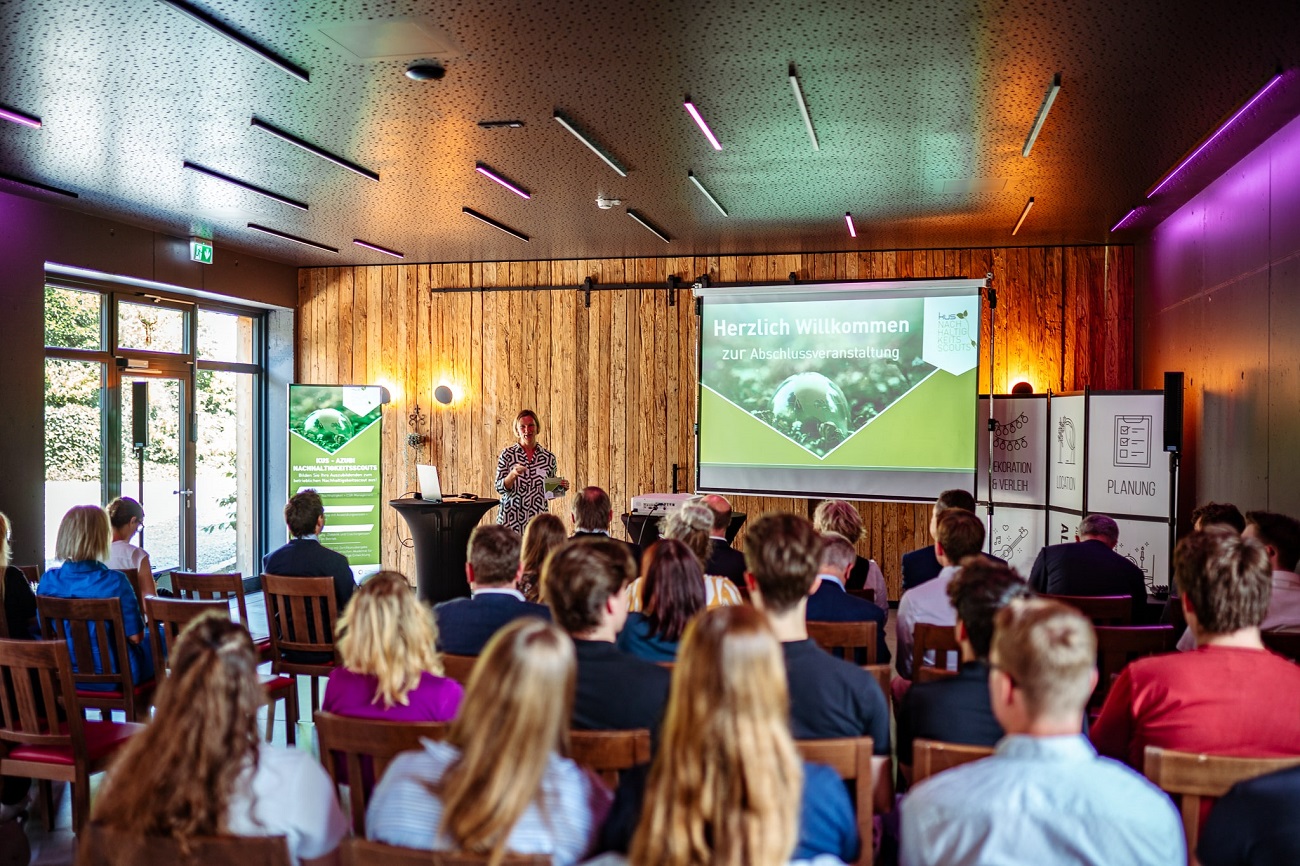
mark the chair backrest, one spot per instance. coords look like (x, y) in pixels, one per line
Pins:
(932, 756)
(1101, 609)
(92, 627)
(457, 667)
(360, 852)
(1190, 777)
(1117, 645)
(868, 594)
(609, 752)
(883, 675)
(133, 578)
(846, 636)
(100, 846)
(167, 618)
(926, 637)
(850, 757)
(363, 749)
(301, 613)
(1284, 643)
(35, 675)
(31, 572)
(190, 584)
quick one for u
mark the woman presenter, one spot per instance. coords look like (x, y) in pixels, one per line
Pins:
(522, 470)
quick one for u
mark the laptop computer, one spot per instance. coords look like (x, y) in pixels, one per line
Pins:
(430, 489)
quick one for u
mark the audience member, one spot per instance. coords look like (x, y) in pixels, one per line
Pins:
(20, 624)
(82, 544)
(1044, 796)
(724, 560)
(691, 525)
(542, 534)
(1254, 824)
(592, 515)
(830, 603)
(586, 586)
(674, 586)
(499, 782)
(1218, 514)
(465, 625)
(304, 555)
(923, 564)
(958, 534)
(127, 518)
(958, 710)
(200, 767)
(391, 669)
(842, 518)
(1280, 536)
(1090, 566)
(1229, 696)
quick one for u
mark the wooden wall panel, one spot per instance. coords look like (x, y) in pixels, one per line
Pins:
(615, 382)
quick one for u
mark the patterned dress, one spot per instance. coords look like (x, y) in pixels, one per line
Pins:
(528, 499)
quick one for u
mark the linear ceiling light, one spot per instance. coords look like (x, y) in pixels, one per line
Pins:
(803, 107)
(695, 180)
(699, 121)
(483, 218)
(288, 237)
(648, 225)
(1050, 97)
(848, 219)
(1128, 216)
(234, 181)
(377, 248)
(1024, 213)
(1227, 123)
(492, 175)
(578, 134)
(36, 184)
(239, 39)
(14, 116)
(257, 123)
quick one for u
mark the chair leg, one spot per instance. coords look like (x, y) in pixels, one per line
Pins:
(291, 716)
(80, 802)
(315, 694)
(270, 719)
(47, 795)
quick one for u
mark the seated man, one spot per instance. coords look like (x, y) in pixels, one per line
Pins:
(842, 518)
(1090, 566)
(1280, 536)
(1044, 796)
(724, 560)
(958, 534)
(1218, 514)
(923, 564)
(465, 625)
(586, 587)
(304, 555)
(1254, 824)
(957, 710)
(1229, 696)
(592, 514)
(830, 603)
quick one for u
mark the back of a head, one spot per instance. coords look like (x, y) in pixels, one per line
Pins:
(544, 533)
(691, 524)
(837, 554)
(840, 517)
(960, 533)
(674, 588)
(122, 509)
(591, 509)
(1280, 532)
(782, 552)
(1049, 651)
(1225, 578)
(726, 782)
(303, 512)
(1218, 514)
(978, 592)
(84, 534)
(493, 553)
(955, 498)
(721, 509)
(578, 578)
(387, 633)
(1099, 526)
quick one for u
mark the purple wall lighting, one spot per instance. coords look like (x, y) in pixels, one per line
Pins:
(15, 116)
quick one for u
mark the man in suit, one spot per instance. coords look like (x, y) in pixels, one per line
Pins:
(465, 625)
(829, 601)
(724, 560)
(922, 564)
(592, 514)
(1090, 566)
(304, 555)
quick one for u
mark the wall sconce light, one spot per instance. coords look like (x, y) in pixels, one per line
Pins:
(1022, 387)
(443, 394)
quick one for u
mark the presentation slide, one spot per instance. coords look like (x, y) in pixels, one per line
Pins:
(860, 390)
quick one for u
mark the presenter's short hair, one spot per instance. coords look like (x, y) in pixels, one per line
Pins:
(591, 508)
(578, 578)
(1226, 579)
(960, 533)
(493, 553)
(1100, 526)
(302, 511)
(1049, 651)
(840, 517)
(783, 553)
(955, 498)
(84, 534)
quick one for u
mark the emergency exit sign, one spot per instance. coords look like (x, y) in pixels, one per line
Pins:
(201, 251)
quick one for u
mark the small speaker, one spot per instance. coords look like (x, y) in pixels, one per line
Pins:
(1174, 412)
(139, 414)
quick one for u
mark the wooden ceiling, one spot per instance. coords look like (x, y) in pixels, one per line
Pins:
(921, 108)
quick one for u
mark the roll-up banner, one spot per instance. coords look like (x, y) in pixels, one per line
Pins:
(335, 440)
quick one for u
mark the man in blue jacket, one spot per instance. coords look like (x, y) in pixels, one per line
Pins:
(465, 625)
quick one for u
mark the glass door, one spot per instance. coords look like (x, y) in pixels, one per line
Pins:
(155, 457)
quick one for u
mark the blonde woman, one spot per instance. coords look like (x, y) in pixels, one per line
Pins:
(544, 533)
(200, 768)
(391, 670)
(842, 518)
(499, 783)
(692, 525)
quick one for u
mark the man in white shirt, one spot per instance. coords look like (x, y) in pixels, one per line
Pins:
(958, 534)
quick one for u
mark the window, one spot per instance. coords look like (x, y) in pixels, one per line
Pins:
(73, 453)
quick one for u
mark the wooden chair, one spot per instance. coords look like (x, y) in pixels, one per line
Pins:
(35, 676)
(853, 759)
(932, 756)
(31, 572)
(846, 637)
(1284, 643)
(1101, 609)
(864, 594)
(301, 613)
(939, 639)
(457, 667)
(610, 752)
(1189, 777)
(1117, 645)
(222, 587)
(100, 846)
(882, 675)
(168, 617)
(142, 587)
(363, 749)
(359, 852)
(93, 628)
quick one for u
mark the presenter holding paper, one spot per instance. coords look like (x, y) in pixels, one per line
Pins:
(526, 476)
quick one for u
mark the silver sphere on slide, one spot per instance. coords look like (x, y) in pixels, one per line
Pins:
(808, 400)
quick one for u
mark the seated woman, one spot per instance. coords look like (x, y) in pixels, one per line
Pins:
(727, 785)
(674, 586)
(544, 533)
(691, 524)
(19, 624)
(842, 518)
(127, 517)
(498, 783)
(391, 670)
(200, 768)
(83, 545)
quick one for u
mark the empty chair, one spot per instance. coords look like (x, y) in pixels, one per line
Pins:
(853, 760)
(301, 613)
(190, 584)
(1101, 609)
(932, 756)
(938, 639)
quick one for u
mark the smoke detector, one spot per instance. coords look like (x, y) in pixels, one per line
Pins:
(606, 203)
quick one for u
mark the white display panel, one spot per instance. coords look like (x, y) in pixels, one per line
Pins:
(1145, 543)
(1061, 526)
(1128, 470)
(1020, 467)
(1066, 454)
(1015, 534)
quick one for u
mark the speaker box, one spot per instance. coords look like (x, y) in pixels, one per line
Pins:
(1174, 412)
(139, 414)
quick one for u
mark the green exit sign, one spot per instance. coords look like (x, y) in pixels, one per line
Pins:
(201, 251)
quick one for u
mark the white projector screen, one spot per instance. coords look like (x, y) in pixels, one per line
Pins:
(859, 390)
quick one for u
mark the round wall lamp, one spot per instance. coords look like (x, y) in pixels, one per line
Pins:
(1022, 387)
(443, 395)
